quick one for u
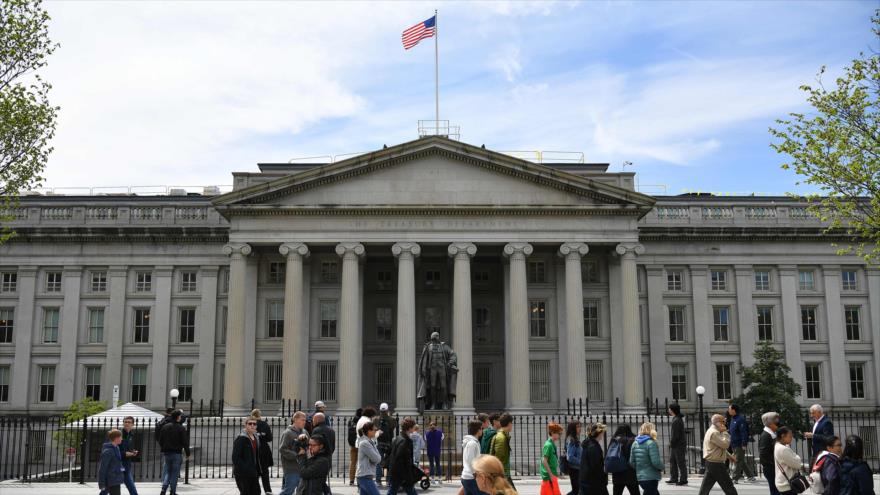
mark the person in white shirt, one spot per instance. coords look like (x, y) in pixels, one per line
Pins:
(470, 450)
(787, 462)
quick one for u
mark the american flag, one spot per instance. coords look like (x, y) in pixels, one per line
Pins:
(412, 36)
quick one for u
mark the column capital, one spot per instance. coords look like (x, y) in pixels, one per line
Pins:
(237, 249)
(630, 249)
(574, 249)
(406, 248)
(294, 249)
(350, 249)
(468, 249)
(515, 249)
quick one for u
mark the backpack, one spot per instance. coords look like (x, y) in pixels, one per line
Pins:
(614, 460)
(386, 427)
(352, 431)
(816, 476)
(488, 442)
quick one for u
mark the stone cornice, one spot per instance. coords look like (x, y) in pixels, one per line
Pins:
(769, 233)
(157, 234)
(429, 210)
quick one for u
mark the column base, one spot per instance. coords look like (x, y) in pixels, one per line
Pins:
(519, 411)
(406, 411)
(230, 411)
(464, 411)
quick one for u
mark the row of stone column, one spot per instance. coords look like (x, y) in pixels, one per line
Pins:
(295, 344)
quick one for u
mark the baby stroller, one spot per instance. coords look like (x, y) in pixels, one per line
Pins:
(421, 474)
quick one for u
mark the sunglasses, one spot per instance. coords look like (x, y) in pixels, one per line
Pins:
(251, 423)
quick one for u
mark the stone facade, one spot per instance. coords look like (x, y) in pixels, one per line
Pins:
(323, 281)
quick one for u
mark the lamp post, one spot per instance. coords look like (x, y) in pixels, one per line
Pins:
(701, 390)
(176, 393)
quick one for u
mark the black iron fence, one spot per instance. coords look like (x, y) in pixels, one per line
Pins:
(36, 448)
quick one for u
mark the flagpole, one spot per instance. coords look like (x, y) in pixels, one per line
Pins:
(436, 75)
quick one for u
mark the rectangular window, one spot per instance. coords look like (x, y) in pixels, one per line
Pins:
(808, 323)
(277, 270)
(805, 280)
(138, 383)
(723, 384)
(329, 272)
(591, 318)
(96, 325)
(143, 282)
(224, 281)
(8, 282)
(590, 271)
(721, 323)
(224, 317)
(537, 272)
(53, 282)
(50, 325)
(813, 382)
(384, 280)
(384, 325)
(538, 318)
(482, 382)
(482, 324)
(385, 381)
(328, 319)
(36, 447)
(327, 381)
(7, 325)
(539, 381)
(849, 280)
(674, 281)
(680, 382)
(595, 381)
(93, 382)
(4, 383)
(852, 320)
(99, 282)
(275, 319)
(433, 319)
(188, 282)
(762, 280)
(676, 324)
(142, 325)
(765, 323)
(719, 279)
(187, 330)
(185, 383)
(432, 279)
(272, 381)
(857, 380)
(481, 277)
(47, 384)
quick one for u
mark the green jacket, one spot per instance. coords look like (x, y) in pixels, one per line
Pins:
(644, 457)
(486, 440)
(500, 448)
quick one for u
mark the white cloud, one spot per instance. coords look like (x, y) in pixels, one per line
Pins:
(508, 63)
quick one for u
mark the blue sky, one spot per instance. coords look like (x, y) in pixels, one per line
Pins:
(185, 93)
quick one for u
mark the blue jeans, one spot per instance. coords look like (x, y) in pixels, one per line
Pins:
(649, 487)
(129, 480)
(436, 466)
(289, 483)
(173, 460)
(393, 486)
(366, 486)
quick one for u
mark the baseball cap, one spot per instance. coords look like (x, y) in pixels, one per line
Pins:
(383, 406)
(319, 403)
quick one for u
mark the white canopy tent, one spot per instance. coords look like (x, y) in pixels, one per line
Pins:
(143, 418)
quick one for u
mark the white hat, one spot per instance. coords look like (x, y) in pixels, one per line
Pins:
(383, 406)
(319, 403)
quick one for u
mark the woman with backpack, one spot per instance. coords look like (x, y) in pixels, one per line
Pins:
(594, 480)
(623, 476)
(573, 455)
(645, 459)
(855, 475)
(825, 477)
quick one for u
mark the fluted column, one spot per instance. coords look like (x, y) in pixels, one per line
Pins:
(295, 346)
(573, 341)
(406, 253)
(633, 394)
(516, 343)
(233, 384)
(462, 329)
(350, 338)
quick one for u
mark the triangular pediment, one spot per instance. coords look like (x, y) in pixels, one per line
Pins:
(433, 172)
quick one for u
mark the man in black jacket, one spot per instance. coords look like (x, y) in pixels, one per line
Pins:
(400, 461)
(823, 430)
(766, 446)
(677, 448)
(172, 439)
(593, 479)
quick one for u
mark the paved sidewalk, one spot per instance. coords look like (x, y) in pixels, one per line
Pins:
(227, 487)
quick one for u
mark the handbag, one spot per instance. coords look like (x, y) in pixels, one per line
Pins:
(799, 483)
(563, 461)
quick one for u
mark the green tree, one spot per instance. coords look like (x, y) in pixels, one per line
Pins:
(77, 410)
(27, 120)
(836, 147)
(768, 386)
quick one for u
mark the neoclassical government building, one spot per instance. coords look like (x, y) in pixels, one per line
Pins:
(323, 281)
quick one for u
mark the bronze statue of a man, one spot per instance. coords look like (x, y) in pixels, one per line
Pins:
(438, 370)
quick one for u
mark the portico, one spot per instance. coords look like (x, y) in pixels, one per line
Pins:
(435, 209)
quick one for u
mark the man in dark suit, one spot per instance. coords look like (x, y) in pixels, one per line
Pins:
(766, 446)
(823, 430)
